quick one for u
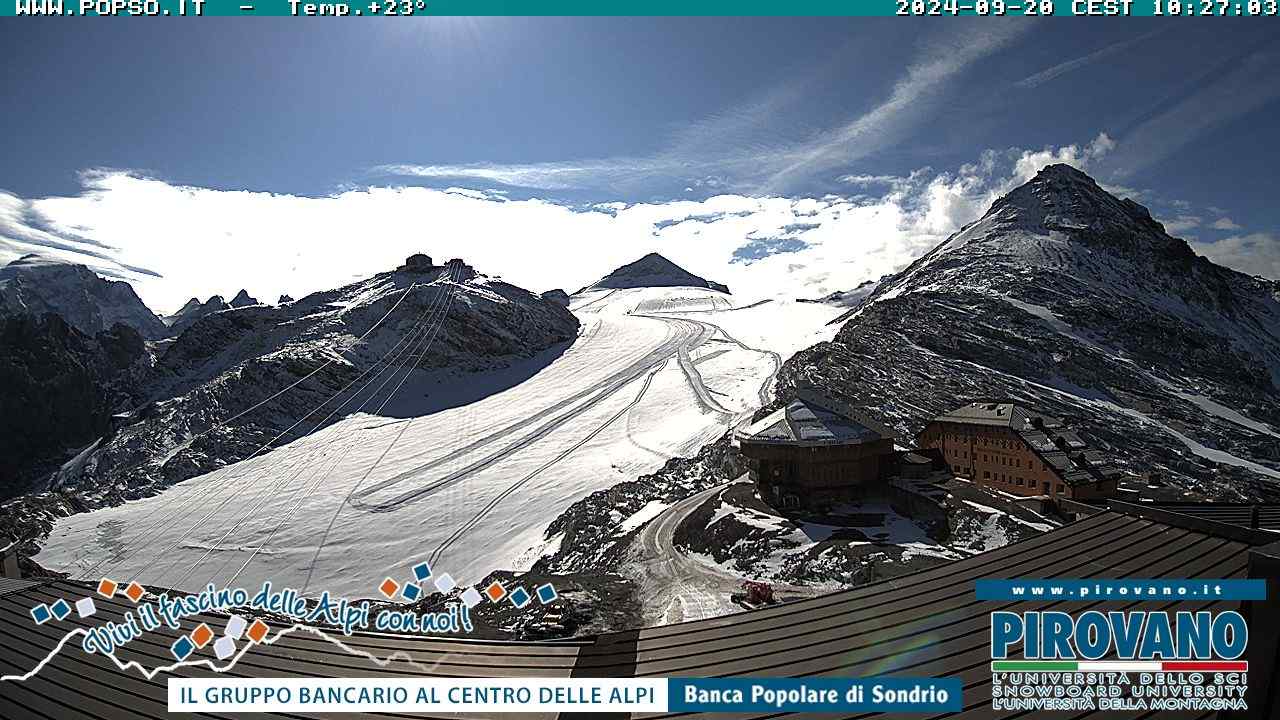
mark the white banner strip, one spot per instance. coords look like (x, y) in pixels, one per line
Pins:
(487, 695)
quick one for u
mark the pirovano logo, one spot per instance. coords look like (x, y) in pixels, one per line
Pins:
(1124, 659)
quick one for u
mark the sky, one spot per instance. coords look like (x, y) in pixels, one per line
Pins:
(780, 156)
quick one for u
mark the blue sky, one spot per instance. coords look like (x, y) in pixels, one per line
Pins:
(117, 135)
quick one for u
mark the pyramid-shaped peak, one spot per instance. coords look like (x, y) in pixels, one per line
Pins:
(242, 299)
(654, 270)
(1062, 197)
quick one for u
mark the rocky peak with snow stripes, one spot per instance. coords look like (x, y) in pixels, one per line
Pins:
(1080, 304)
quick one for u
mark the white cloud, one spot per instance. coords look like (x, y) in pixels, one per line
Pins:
(204, 241)
(1081, 157)
(1182, 224)
(1225, 223)
(867, 180)
(909, 102)
(1253, 254)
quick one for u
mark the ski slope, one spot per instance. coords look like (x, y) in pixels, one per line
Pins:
(652, 375)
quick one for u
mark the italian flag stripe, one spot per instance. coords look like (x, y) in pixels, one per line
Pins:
(1118, 666)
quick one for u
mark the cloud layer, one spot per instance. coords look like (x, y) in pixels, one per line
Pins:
(200, 241)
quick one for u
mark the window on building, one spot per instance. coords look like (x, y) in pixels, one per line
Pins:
(1061, 488)
(986, 474)
(1019, 481)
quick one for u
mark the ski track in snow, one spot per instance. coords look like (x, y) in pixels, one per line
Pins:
(478, 484)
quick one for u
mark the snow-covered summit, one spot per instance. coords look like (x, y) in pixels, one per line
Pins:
(1080, 304)
(34, 284)
(653, 270)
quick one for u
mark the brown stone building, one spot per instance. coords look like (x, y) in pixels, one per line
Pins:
(817, 451)
(1009, 447)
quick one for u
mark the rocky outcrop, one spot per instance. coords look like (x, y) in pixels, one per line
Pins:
(242, 299)
(592, 532)
(192, 311)
(557, 296)
(61, 389)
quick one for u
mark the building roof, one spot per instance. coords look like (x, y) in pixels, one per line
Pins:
(926, 624)
(1000, 413)
(812, 420)
(1262, 516)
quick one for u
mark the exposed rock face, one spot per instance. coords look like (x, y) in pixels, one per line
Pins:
(653, 270)
(61, 388)
(557, 296)
(212, 398)
(193, 311)
(33, 285)
(284, 300)
(1079, 304)
(242, 299)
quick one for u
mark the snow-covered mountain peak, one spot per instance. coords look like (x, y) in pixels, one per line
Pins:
(1060, 238)
(1081, 304)
(35, 284)
(653, 270)
(1061, 197)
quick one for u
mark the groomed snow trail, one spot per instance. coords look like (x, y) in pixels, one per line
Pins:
(473, 487)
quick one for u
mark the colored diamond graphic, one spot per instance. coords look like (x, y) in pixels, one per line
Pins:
(235, 627)
(224, 648)
(411, 592)
(495, 591)
(85, 607)
(134, 592)
(258, 630)
(41, 614)
(182, 648)
(546, 594)
(421, 571)
(60, 609)
(471, 597)
(201, 635)
(388, 588)
(445, 583)
(520, 597)
(106, 588)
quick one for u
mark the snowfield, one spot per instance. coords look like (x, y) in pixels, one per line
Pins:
(471, 488)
